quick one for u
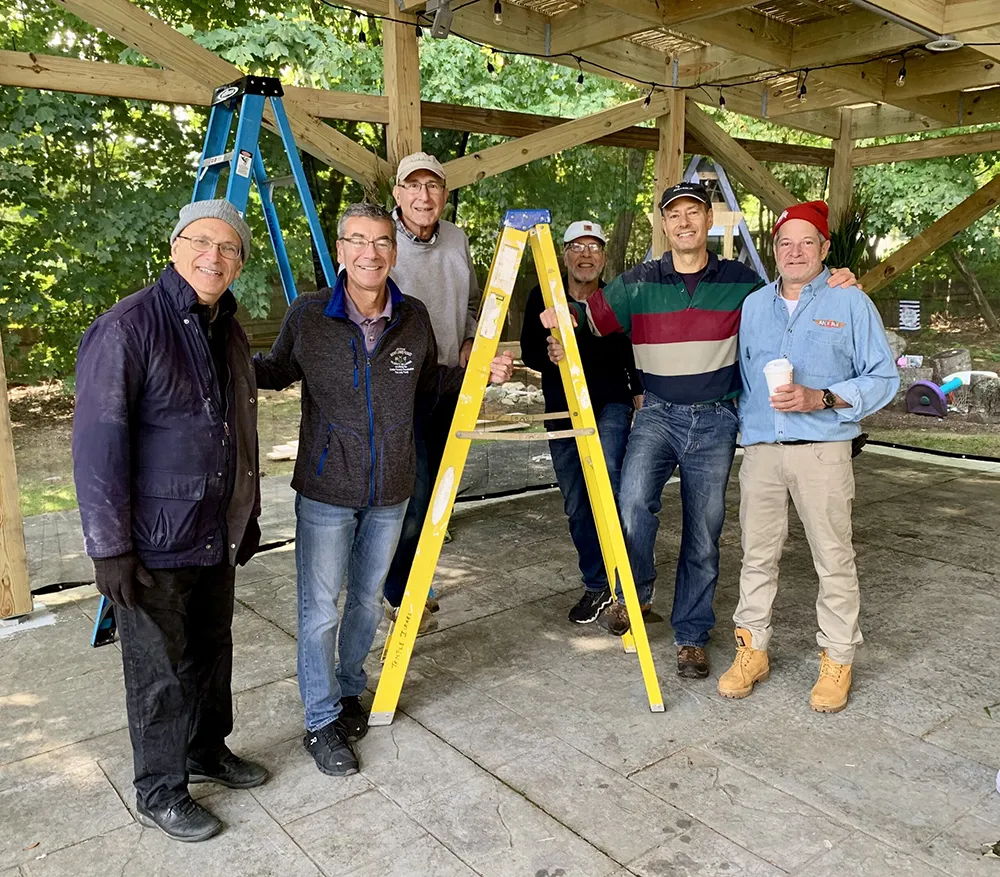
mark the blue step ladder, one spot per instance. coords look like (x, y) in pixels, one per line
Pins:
(250, 96)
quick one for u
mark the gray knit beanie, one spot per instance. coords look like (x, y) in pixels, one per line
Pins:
(219, 208)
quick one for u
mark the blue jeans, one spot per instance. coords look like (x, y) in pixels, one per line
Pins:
(612, 428)
(334, 544)
(701, 440)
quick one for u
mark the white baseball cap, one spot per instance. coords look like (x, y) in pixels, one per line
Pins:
(582, 229)
(419, 161)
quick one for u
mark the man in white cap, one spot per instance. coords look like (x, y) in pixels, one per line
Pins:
(434, 265)
(165, 462)
(615, 391)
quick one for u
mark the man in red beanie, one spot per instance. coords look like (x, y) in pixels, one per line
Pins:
(814, 362)
(682, 314)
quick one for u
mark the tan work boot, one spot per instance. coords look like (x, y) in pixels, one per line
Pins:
(830, 693)
(749, 667)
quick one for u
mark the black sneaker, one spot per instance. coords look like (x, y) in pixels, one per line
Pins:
(353, 718)
(185, 821)
(226, 769)
(591, 604)
(330, 750)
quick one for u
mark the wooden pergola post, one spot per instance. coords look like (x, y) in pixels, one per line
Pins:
(401, 64)
(842, 173)
(15, 592)
(669, 161)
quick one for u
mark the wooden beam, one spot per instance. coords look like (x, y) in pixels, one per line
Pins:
(842, 173)
(159, 42)
(747, 33)
(592, 25)
(669, 166)
(401, 64)
(661, 14)
(56, 73)
(939, 147)
(926, 13)
(848, 36)
(964, 15)
(737, 160)
(497, 159)
(977, 205)
(15, 590)
(954, 71)
(887, 121)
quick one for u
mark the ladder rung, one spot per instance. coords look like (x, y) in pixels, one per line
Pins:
(522, 436)
(280, 182)
(217, 159)
(517, 418)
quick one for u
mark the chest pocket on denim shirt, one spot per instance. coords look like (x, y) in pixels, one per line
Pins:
(829, 352)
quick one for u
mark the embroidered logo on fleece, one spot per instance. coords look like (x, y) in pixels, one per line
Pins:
(830, 324)
(401, 361)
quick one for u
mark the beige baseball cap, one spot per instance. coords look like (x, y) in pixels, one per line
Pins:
(419, 161)
(582, 229)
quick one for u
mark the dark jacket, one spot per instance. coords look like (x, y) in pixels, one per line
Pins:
(356, 444)
(158, 468)
(608, 364)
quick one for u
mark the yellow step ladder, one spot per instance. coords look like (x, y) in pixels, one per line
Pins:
(519, 227)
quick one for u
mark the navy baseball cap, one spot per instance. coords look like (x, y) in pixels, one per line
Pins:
(686, 190)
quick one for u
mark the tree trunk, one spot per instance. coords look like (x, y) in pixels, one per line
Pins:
(618, 243)
(947, 362)
(977, 291)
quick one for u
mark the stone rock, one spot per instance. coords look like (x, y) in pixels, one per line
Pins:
(984, 395)
(947, 362)
(897, 343)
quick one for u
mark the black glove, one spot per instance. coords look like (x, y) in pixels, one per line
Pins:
(250, 544)
(116, 577)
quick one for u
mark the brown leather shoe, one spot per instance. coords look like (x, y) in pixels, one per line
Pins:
(692, 662)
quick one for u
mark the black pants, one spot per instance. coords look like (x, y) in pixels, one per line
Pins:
(431, 437)
(177, 650)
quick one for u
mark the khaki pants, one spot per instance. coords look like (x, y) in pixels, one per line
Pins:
(819, 477)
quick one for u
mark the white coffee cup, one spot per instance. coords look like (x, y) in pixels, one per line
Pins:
(777, 373)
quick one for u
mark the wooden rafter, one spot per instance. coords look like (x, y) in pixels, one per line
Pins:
(967, 15)
(977, 205)
(161, 43)
(515, 153)
(939, 147)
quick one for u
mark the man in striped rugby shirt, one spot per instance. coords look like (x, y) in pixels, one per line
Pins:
(682, 313)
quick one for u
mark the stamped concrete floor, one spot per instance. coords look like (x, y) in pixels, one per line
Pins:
(524, 746)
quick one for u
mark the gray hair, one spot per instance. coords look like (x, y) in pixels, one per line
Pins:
(366, 211)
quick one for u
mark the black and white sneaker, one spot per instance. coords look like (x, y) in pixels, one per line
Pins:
(330, 750)
(591, 604)
(353, 718)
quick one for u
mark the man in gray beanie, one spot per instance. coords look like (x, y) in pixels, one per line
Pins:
(165, 462)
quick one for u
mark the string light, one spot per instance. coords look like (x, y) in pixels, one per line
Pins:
(497, 13)
(901, 79)
(722, 100)
(803, 72)
(490, 68)
(420, 32)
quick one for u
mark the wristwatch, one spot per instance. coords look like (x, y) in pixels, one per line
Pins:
(829, 400)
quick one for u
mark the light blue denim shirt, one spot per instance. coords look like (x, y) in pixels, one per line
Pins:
(835, 341)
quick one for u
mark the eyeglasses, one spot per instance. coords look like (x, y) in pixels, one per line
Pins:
(577, 247)
(359, 245)
(204, 245)
(433, 187)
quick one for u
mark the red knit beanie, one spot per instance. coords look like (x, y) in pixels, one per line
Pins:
(814, 212)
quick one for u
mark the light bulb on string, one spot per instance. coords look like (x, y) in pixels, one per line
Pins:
(901, 79)
(722, 100)
(490, 68)
(497, 12)
(420, 32)
(649, 97)
(803, 91)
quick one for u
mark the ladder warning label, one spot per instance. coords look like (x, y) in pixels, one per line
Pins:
(243, 163)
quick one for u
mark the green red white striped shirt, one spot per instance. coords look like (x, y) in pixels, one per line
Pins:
(685, 345)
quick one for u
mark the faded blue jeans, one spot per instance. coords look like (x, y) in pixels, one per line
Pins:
(612, 427)
(335, 545)
(701, 440)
